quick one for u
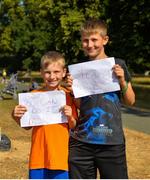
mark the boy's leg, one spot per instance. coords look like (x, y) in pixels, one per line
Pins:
(111, 162)
(81, 160)
(36, 173)
(56, 174)
(48, 174)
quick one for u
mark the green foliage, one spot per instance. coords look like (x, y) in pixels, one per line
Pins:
(28, 28)
(129, 32)
(27, 64)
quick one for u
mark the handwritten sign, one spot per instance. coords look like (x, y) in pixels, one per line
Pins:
(43, 108)
(94, 77)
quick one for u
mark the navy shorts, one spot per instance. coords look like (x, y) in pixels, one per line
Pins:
(85, 159)
(47, 174)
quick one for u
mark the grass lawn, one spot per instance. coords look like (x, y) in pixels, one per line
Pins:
(141, 80)
(14, 163)
(140, 84)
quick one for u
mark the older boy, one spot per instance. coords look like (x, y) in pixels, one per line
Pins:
(91, 147)
(49, 149)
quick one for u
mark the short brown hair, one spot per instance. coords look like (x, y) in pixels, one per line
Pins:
(94, 26)
(52, 57)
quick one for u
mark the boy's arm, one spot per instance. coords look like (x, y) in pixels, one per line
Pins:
(126, 87)
(72, 122)
(127, 93)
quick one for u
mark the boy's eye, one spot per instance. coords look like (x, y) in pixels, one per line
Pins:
(56, 72)
(85, 40)
(47, 72)
(94, 40)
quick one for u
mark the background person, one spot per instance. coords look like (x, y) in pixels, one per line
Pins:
(34, 85)
(4, 75)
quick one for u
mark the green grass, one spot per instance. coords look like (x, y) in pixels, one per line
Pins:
(142, 97)
(33, 75)
(141, 86)
(6, 122)
(7, 104)
(141, 80)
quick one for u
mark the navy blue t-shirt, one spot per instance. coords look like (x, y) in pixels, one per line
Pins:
(100, 117)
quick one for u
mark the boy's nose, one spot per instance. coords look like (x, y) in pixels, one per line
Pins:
(90, 43)
(52, 76)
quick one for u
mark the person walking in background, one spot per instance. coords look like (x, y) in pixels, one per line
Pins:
(49, 148)
(33, 85)
(91, 146)
(4, 75)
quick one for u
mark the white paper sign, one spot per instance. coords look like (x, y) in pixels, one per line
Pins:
(43, 108)
(94, 77)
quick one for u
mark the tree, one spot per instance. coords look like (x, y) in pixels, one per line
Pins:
(129, 32)
(28, 28)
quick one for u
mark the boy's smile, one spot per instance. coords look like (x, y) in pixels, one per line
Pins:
(53, 75)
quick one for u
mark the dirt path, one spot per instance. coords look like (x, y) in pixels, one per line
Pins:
(138, 157)
(14, 164)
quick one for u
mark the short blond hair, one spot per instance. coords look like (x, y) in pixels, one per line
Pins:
(52, 57)
(94, 26)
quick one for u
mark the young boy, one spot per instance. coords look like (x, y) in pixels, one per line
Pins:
(49, 148)
(91, 146)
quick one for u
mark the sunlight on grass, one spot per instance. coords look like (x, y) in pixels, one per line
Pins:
(141, 80)
(7, 105)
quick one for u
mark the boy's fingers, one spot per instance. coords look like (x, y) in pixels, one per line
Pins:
(69, 76)
(66, 109)
(62, 108)
(19, 111)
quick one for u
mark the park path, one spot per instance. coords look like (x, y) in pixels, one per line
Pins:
(136, 119)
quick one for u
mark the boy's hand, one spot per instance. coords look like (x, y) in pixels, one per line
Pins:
(67, 111)
(69, 82)
(18, 112)
(118, 70)
(128, 96)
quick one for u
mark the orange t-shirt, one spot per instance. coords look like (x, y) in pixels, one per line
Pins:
(49, 148)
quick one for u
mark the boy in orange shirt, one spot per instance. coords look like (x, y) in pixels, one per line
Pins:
(49, 148)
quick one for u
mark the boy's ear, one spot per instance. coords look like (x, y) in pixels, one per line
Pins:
(41, 71)
(64, 73)
(106, 39)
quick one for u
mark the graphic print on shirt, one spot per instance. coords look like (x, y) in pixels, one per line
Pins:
(96, 127)
(98, 119)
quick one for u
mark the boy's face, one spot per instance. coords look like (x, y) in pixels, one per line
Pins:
(53, 75)
(93, 45)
